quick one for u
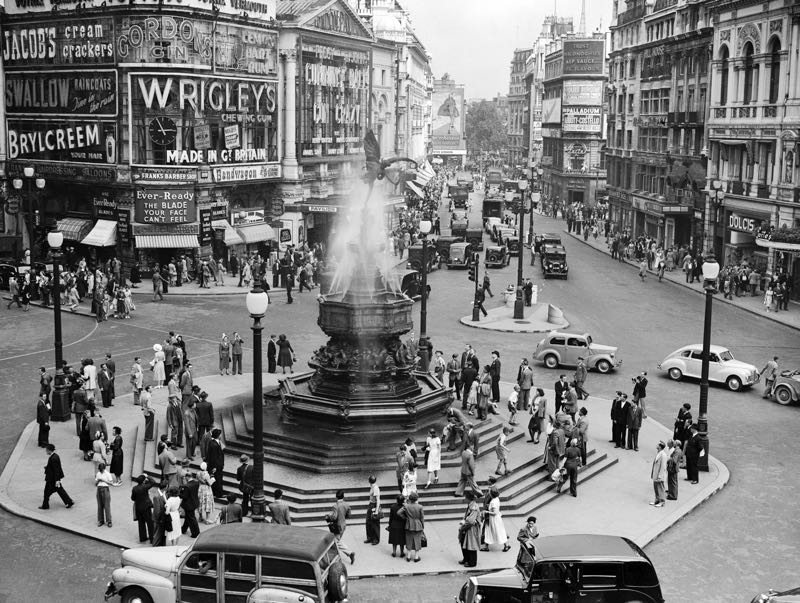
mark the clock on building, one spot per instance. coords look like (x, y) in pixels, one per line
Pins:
(163, 131)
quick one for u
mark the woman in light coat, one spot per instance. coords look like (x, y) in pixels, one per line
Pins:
(433, 456)
(99, 454)
(224, 354)
(159, 375)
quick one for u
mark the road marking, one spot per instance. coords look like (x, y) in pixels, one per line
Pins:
(81, 340)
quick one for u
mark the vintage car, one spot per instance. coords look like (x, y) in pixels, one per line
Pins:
(570, 568)
(502, 233)
(547, 238)
(490, 223)
(459, 228)
(459, 214)
(443, 244)
(787, 387)
(411, 283)
(564, 349)
(497, 256)
(459, 194)
(7, 270)
(474, 237)
(415, 257)
(554, 261)
(460, 254)
(722, 366)
(235, 562)
(773, 596)
(513, 244)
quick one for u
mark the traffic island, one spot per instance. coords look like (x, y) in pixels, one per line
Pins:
(538, 318)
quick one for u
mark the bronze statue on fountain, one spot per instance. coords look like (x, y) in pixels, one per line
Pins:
(365, 377)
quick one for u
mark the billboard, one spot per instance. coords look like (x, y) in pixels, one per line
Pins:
(551, 110)
(59, 43)
(46, 92)
(448, 120)
(584, 57)
(581, 119)
(588, 92)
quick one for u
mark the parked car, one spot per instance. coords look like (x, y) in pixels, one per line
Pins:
(571, 568)
(787, 387)
(554, 261)
(722, 366)
(460, 254)
(235, 562)
(513, 244)
(497, 256)
(503, 233)
(563, 349)
(547, 238)
(474, 236)
(773, 596)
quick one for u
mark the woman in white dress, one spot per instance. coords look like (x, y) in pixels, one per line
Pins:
(158, 366)
(173, 507)
(206, 509)
(495, 530)
(410, 478)
(433, 455)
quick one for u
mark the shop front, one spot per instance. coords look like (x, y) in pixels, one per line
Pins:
(739, 242)
(677, 225)
(648, 218)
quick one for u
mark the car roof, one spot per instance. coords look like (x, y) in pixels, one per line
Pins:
(714, 349)
(548, 248)
(460, 244)
(587, 546)
(565, 334)
(292, 542)
(495, 247)
(549, 235)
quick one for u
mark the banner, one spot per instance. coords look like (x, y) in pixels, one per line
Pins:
(62, 93)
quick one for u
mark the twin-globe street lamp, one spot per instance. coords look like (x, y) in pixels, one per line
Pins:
(524, 204)
(60, 406)
(710, 274)
(257, 302)
(424, 343)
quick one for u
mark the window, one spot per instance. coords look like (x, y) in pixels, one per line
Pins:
(283, 571)
(723, 85)
(198, 578)
(576, 342)
(774, 71)
(557, 341)
(240, 577)
(597, 575)
(697, 354)
(638, 573)
(630, 103)
(632, 71)
(629, 139)
(750, 74)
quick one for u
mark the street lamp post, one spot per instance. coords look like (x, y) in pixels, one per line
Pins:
(257, 302)
(424, 342)
(60, 403)
(717, 197)
(710, 274)
(519, 302)
(29, 172)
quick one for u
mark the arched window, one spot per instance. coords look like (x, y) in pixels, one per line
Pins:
(750, 74)
(723, 89)
(774, 71)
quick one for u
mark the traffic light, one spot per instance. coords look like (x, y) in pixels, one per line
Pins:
(473, 268)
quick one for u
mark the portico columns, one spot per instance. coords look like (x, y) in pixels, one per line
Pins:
(290, 166)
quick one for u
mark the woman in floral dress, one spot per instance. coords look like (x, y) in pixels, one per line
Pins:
(206, 509)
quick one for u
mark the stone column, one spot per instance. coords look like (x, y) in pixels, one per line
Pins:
(794, 60)
(757, 148)
(738, 97)
(290, 167)
(776, 169)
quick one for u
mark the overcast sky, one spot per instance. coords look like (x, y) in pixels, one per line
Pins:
(474, 40)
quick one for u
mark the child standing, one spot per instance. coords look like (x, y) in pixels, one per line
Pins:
(512, 405)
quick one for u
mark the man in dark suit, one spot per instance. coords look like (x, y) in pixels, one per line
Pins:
(215, 459)
(494, 371)
(272, 354)
(640, 391)
(468, 375)
(169, 357)
(560, 388)
(186, 384)
(280, 510)
(466, 357)
(104, 383)
(470, 439)
(205, 414)
(112, 370)
(159, 512)
(43, 419)
(694, 450)
(190, 501)
(244, 475)
(53, 474)
(143, 507)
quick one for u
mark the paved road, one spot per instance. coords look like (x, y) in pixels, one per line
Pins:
(743, 539)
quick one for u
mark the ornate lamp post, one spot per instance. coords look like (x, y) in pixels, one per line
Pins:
(29, 172)
(424, 342)
(257, 302)
(519, 302)
(61, 402)
(716, 196)
(710, 274)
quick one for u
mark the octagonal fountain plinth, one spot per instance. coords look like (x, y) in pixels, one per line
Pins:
(364, 378)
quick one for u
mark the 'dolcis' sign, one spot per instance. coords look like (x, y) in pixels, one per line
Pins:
(742, 223)
(165, 206)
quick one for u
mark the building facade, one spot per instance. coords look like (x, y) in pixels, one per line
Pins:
(518, 108)
(754, 134)
(573, 168)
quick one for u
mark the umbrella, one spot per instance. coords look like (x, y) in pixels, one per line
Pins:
(157, 348)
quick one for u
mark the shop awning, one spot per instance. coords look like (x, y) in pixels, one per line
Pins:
(167, 241)
(255, 233)
(104, 234)
(229, 236)
(74, 229)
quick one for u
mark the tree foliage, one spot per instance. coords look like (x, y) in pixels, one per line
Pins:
(485, 128)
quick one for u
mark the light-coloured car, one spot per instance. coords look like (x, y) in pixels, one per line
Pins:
(773, 596)
(787, 387)
(564, 349)
(235, 562)
(722, 366)
(489, 224)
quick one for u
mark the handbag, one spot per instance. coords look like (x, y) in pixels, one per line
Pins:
(424, 541)
(167, 522)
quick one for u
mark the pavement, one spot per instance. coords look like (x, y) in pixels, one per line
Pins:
(614, 502)
(754, 304)
(538, 318)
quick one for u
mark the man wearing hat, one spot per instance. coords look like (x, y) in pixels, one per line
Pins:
(190, 501)
(694, 450)
(494, 372)
(528, 533)
(244, 475)
(143, 507)
(658, 473)
(580, 379)
(53, 474)
(215, 459)
(186, 384)
(80, 404)
(169, 466)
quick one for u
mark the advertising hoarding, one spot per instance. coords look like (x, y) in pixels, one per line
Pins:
(583, 57)
(589, 92)
(581, 119)
(447, 117)
(84, 141)
(58, 43)
(62, 93)
(260, 10)
(164, 205)
(551, 110)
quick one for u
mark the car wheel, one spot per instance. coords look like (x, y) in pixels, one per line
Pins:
(675, 374)
(734, 383)
(603, 366)
(493, 257)
(551, 361)
(783, 395)
(337, 582)
(135, 595)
